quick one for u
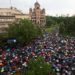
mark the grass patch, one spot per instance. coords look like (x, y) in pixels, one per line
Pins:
(48, 29)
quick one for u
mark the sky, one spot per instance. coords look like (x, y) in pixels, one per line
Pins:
(52, 7)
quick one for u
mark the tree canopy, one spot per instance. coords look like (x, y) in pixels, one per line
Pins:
(66, 24)
(39, 67)
(24, 31)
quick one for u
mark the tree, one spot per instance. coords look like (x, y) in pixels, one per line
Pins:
(66, 24)
(24, 31)
(37, 66)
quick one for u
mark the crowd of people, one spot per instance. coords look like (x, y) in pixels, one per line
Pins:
(57, 50)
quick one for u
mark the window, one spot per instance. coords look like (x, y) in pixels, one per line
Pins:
(37, 7)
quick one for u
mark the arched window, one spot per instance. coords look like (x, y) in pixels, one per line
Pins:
(37, 7)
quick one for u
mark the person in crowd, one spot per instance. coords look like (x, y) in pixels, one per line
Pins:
(58, 50)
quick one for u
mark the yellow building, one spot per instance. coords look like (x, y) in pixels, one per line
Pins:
(9, 15)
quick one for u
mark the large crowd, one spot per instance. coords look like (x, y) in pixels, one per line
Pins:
(55, 49)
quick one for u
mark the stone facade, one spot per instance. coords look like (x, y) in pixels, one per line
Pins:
(37, 15)
(8, 16)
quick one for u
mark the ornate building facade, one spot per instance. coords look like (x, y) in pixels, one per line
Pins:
(37, 15)
(9, 15)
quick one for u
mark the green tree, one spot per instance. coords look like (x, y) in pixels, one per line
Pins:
(66, 24)
(24, 31)
(39, 67)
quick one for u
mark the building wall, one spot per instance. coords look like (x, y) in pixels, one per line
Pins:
(8, 16)
(37, 15)
(22, 16)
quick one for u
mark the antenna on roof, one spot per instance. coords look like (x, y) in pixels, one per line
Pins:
(10, 4)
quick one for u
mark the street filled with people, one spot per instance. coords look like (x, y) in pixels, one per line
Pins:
(55, 49)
